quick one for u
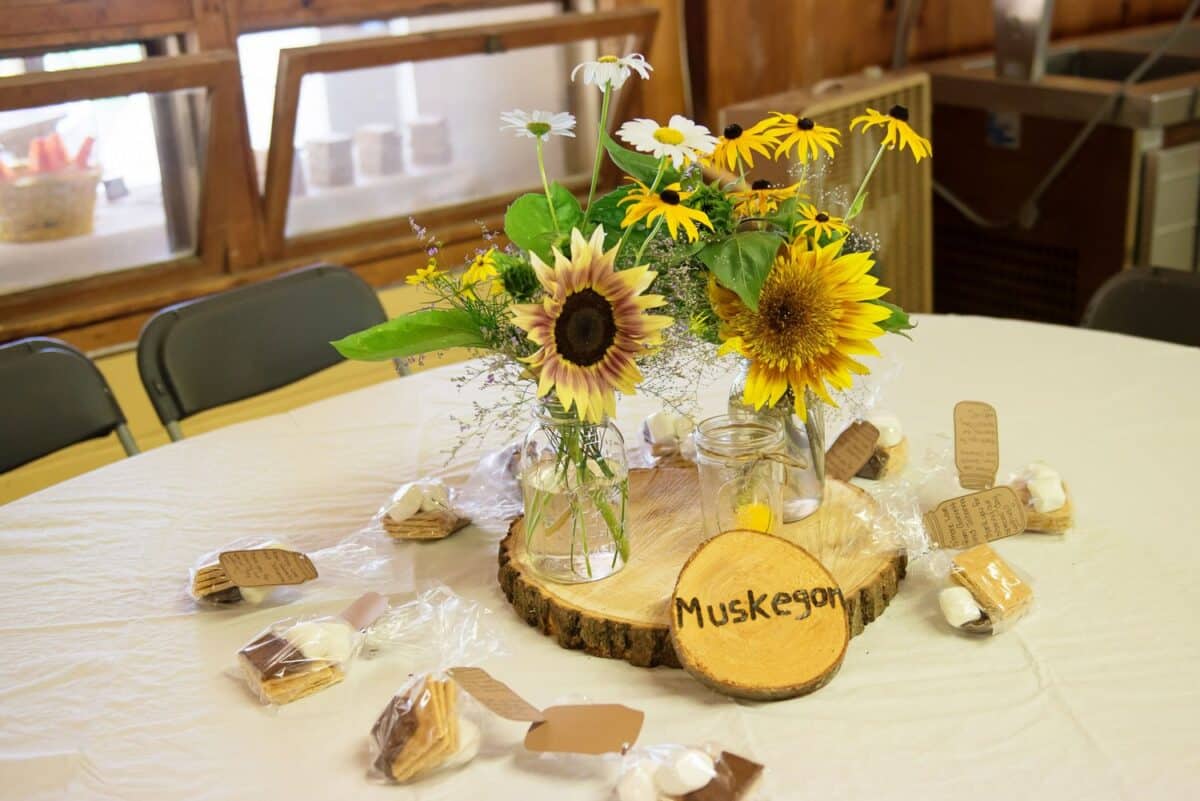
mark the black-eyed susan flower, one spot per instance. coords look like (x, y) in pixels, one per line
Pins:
(590, 327)
(613, 70)
(812, 318)
(801, 133)
(737, 145)
(818, 224)
(899, 132)
(482, 268)
(665, 203)
(680, 140)
(425, 275)
(761, 198)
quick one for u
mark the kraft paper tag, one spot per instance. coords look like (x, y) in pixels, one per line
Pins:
(976, 444)
(495, 695)
(365, 611)
(585, 729)
(853, 448)
(267, 567)
(976, 518)
(992, 582)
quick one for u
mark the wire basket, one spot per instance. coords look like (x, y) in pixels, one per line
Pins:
(45, 206)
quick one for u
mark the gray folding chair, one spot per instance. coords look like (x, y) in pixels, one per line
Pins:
(1155, 302)
(204, 353)
(52, 396)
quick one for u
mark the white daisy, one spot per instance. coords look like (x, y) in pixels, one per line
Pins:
(612, 70)
(538, 124)
(680, 139)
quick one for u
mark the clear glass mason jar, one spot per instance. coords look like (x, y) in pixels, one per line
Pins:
(804, 444)
(740, 474)
(575, 485)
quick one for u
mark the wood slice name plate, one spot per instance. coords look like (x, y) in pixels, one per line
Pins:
(755, 616)
(628, 615)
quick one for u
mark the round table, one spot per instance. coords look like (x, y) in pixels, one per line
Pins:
(115, 686)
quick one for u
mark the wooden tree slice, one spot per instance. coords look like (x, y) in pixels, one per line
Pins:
(626, 616)
(756, 616)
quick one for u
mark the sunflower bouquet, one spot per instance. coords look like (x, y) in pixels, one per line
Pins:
(684, 254)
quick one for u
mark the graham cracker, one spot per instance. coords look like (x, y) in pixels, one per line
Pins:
(425, 526)
(1059, 521)
(287, 689)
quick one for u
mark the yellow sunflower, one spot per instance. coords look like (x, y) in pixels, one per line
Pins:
(761, 199)
(819, 224)
(591, 326)
(811, 319)
(806, 136)
(899, 132)
(425, 275)
(737, 145)
(666, 203)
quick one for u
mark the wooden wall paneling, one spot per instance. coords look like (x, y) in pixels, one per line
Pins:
(258, 15)
(31, 25)
(80, 302)
(753, 49)
(217, 29)
(295, 63)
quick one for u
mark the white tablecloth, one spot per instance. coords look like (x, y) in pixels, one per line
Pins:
(113, 686)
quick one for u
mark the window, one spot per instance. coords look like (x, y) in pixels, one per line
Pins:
(82, 190)
(391, 141)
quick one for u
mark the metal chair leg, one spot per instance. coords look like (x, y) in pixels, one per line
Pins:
(174, 431)
(127, 441)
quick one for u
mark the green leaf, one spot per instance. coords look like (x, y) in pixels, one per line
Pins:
(897, 322)
(638, 165)
(529, 225)
(857, 208)
(606, 211)
(411, 334)
(742, 261)
(784, 217)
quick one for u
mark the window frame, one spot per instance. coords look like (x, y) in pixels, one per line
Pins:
(215, 71)
(383, 51)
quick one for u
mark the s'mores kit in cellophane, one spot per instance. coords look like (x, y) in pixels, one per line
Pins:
(421, 510)
(292, 659)
(209, 584)
(428, 726)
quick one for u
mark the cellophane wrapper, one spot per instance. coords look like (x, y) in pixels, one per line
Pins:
(1012, 597)
(430, 726)
(294, 658)
(208, 567)
(671, 771)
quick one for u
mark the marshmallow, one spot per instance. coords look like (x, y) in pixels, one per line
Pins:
(469, 738)
(430, 495)
(1046, 494)
(637, 784)
(667, 428)
(684, 772)
(959, 606)
(660, 428)
(330, 640)
(255, 595)
(890, 432)
(406, 502)
(437, 496)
